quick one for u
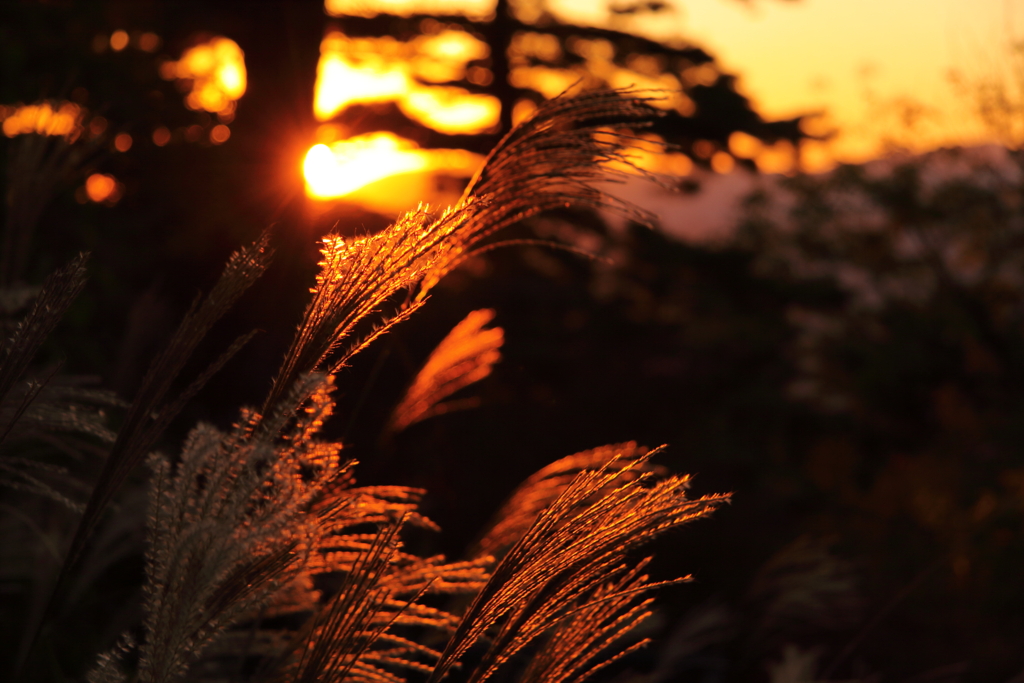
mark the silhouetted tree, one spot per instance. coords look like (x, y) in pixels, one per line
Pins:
(705, 107)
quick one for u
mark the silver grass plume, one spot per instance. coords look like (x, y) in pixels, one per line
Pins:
(343, 631)
(359, 633)
(57, 293)
(543, 487)
(63, 418)
(42, 406)
(551, 160)
(466, 355)
(359, 628)
(585, 641)
(152, 411)
(238, 528)
(38, 165)
(343, 542)
(19, 404)
(570, 560)
(229, 524)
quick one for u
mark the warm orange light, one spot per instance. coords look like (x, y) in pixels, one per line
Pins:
(342, 81)
(859, 62)
(816, 156)
(452, 110)
(123, 142)
(149, 42)
(779, 158)
(118, 40)
(744, 146)
(217, 71)
(543, 46)
(97, 125)
(443, 56)
(678, 164)
(100, 187)
(522, 110)
(722, 162)
(219, 134)
(477, 10)
(649, 153)
(704, 148)
(349, 165)
(161, 136)
(369, 70)
(547, 81)
(599, 70)
(43, 119)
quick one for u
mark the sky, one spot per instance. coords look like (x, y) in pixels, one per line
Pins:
(871, 65)
(875, 75)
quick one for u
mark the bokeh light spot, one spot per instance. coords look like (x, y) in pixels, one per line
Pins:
(777, 158)
(118, 40)
(149, 42)
(704, 148)
(97, 125)
(219, 134)
(101, 187)
(744, 146)
(161, 136)
(722, 162)
(217, 72)
(522, 109)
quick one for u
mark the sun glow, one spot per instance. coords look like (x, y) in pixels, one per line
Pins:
(376, 70)
(217, 71)
(476, 10)
(452, 111)
(416, 77)
(345, 166)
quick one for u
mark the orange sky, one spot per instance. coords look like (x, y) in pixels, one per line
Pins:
(878, 70)
(861, 60)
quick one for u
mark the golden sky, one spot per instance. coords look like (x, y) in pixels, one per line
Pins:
(878, 71)
(866, 62)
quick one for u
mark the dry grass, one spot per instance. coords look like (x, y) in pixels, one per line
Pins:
(261, 548)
